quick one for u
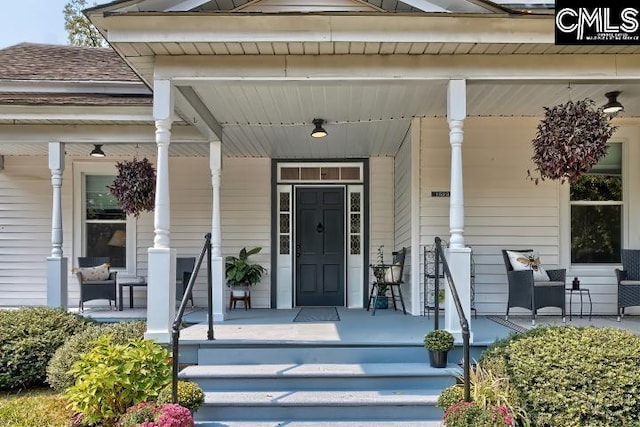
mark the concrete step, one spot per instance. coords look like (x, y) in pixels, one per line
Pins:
(226, 353)
(297, 353)
(307, 377)
(319, 405)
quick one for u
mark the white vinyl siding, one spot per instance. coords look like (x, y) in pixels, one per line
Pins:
(503, 208)
(381, 217)
(402, 211)
(25, 230)
(244, 205)
(246, 216)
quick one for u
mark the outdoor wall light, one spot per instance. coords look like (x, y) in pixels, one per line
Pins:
(97, 151)
(318, 131)
(613, 106)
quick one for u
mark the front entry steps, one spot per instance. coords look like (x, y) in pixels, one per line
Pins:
(254, 385)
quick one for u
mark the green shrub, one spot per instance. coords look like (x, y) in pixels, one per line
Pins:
(190, 395)
(568, 376)
(450, 396)
(28, 339)
(58, 375)
(112, 377)
(438, 340)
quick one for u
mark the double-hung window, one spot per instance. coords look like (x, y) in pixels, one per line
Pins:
(102, 229)
(105, 224)
(597, 204)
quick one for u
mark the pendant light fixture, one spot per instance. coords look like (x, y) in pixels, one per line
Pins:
(613, 106)
(97, 151)
(318, 131)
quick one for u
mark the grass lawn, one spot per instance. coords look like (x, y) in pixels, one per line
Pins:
(33, 408)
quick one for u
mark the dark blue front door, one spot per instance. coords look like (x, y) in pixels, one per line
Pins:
(320, 246)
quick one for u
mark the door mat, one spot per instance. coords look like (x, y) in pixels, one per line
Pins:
(317, 314)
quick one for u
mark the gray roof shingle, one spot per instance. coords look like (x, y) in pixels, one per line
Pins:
(30, 61)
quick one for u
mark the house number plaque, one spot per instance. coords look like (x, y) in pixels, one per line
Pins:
(441, 194)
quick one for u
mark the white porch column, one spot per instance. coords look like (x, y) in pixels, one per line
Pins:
(161, 292)
(458, 256)
(56, 263)
(217, 260)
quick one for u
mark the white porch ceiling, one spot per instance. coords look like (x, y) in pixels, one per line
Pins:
(370, 118)
(274, 119)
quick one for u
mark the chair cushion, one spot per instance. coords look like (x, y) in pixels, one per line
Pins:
(92, 274)
(630, 282)
(528, 261)
(392, 274)
(544, 283)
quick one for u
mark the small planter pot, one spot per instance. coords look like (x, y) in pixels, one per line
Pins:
(240, 292)
(438, 359)
(382, 303)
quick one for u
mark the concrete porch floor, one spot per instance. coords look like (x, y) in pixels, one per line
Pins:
(356, 326)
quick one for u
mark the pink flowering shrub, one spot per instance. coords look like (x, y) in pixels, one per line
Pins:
(470, 414)
(149, 414)
(174, 415)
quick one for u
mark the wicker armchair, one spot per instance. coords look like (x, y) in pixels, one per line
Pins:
(524, 292)
(95, 289)
(628, 280)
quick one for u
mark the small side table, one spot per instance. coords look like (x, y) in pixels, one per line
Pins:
(130, 285)
(581, 291)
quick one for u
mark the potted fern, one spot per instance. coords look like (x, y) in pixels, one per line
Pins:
(240, 273)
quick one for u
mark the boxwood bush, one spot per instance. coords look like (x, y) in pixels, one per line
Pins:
(190, 395)
(28, 338)
(58, 375)
(568, 376)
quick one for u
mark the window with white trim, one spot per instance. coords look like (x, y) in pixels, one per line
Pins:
(597, 208)
(101, 228)
(105, 224)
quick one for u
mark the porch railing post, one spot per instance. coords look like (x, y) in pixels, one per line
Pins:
(209, 292)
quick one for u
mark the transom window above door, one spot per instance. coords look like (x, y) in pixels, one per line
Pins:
(320, 172)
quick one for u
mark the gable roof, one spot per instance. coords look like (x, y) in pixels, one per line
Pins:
(31, 61)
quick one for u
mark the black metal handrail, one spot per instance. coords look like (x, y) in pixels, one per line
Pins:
(464, 323)
(175, 332)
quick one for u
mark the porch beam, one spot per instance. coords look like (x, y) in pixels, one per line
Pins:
(93, 134)
(56, 263)
(75, 113)
(221, 28)
(189, 68)
(196, 112)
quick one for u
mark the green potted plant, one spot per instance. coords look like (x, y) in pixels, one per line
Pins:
(438, 342)
(379, 271)
(242, 274)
